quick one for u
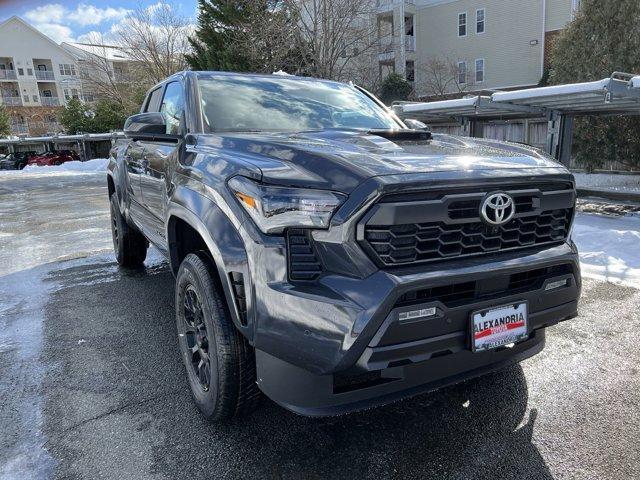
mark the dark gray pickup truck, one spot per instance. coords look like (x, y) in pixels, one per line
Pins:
(329, 256)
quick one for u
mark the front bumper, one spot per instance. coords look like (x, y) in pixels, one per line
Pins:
(324, 354)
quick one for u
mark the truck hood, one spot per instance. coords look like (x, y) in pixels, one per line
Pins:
(340, 160)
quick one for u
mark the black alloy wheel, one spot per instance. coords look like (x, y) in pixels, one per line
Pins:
(197, 337)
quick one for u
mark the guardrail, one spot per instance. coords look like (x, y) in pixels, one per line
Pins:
(8, 75)
(50, 101)
(44, 75)
(11, 100)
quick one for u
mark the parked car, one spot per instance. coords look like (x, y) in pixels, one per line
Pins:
(54, 158)
(329, 256)
(16, 161)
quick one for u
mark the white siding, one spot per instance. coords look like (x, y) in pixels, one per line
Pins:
(22, 44)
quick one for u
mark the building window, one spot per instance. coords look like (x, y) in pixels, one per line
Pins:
(30, 72)
(480, 21)
(21, 71)
(25, 98)
(462, 73)
(410, 70)
(480, 70)
(67, 69)
(462, 24)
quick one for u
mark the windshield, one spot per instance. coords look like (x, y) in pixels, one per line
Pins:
(237, 103)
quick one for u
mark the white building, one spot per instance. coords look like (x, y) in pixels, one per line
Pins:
(483, 44)
(37, 76)
(102, 68)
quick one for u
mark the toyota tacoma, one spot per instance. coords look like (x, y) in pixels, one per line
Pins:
(329, 256)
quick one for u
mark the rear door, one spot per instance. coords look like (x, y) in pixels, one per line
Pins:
(161, 157)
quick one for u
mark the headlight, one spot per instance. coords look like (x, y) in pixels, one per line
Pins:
(275, 208)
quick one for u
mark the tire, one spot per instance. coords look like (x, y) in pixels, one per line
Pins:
(129, 245)
(220, 363)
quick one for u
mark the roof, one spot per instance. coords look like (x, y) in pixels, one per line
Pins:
(112, 53)
(618, 94)
(15, 18)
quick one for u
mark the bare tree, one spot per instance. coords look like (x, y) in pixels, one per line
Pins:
(337, 32)
(441, 77)
(156, 39)
(108, 72)
(270, 39)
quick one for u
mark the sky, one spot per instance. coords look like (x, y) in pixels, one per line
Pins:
(79, 20)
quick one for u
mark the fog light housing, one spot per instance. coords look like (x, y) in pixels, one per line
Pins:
(557, 284)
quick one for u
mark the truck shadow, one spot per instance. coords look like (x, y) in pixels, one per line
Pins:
(478, 429)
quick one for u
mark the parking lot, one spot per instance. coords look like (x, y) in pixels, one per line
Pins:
(91, 384)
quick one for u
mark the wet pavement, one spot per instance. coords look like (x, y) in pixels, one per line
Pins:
(91, 384)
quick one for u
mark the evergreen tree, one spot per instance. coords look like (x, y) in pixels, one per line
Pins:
(217, 44)
(5, 122)
(393, 88)
(75, 117)
(248, 36)
(108, 115)
(603, 38)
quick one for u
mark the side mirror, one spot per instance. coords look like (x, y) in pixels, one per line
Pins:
(145, 125)
(416, 124)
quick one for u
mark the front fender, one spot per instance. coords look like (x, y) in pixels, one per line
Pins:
(223, 241)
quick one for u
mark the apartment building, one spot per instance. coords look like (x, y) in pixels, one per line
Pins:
(103, 69)
(37, 76)
(449, 47)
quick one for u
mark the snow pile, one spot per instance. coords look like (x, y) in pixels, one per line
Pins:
(609, 248)
(90, 166)
(630, 183)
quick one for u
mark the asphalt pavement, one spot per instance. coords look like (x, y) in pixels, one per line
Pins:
(91, 384)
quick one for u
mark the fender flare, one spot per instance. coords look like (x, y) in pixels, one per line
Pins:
(228, 256)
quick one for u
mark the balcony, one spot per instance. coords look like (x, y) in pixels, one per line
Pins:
(50, 101)
(8, 75)
(44, 75)
(387, 44)
(388, 5)
(12, 101)
(410, 43)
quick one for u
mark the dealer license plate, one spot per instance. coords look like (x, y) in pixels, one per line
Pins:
(498, 326)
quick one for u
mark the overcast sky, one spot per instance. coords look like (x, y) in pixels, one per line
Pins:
(73, 20)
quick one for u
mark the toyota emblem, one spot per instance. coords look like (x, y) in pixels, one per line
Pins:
(497, 209)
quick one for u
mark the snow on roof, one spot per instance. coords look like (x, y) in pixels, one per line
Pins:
(448, 104)
(556, 90)
(110, 52)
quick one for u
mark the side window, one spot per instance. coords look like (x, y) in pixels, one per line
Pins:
(153, 101)
(462, 24)
(172, 107)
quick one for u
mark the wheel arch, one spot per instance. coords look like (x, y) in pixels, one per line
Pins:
(187, 233)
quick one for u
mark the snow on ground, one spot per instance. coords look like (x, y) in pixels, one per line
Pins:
(97, 165)
(609, 247)
(609, 181)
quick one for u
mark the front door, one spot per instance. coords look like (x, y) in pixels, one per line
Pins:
(161, 157)
(134, 161)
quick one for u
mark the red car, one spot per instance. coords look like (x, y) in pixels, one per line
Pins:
(54, 158)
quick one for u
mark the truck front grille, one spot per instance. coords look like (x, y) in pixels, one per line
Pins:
(456, 230)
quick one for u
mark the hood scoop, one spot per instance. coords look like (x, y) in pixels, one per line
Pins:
(404, 134)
